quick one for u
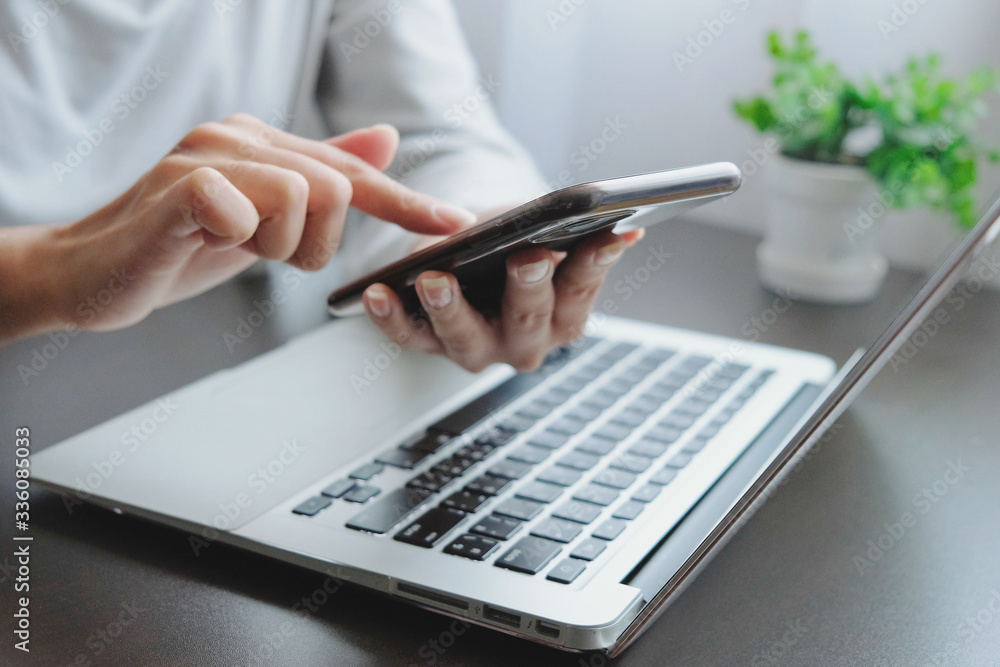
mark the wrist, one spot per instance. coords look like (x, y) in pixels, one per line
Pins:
(29, 303)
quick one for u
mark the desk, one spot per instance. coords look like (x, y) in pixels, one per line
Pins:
(788, 589)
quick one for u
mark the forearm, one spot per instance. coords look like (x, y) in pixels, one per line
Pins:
(27, 302)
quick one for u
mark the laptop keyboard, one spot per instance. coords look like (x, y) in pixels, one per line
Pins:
(552, 463)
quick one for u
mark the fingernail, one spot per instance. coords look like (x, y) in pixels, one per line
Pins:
(453, 215)
(385, 127)
(437, 291)
(378, 302)
(609, 253)
(534, 272)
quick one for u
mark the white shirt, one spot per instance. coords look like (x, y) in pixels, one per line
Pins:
(94, 92)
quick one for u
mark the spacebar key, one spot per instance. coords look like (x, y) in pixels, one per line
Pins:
(390, 509)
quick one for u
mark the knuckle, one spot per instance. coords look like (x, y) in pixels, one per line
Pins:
(241, 118)
(206, 135)
(582, 291)
(528, 320)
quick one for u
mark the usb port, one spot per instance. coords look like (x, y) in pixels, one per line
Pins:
(500, 616)
(547, 629)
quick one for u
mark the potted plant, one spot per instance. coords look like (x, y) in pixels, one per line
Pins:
(846, 152)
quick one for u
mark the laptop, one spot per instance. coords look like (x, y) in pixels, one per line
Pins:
(569, 506)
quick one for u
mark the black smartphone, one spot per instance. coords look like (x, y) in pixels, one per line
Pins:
(558, 220)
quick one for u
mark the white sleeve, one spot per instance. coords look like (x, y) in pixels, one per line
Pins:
(405, 62)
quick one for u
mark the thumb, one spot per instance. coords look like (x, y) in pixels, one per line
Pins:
(205, 201)
(376, 145)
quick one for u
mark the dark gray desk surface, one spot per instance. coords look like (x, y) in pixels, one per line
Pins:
(786, 590)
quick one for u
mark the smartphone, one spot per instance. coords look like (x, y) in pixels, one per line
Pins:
(558, 220)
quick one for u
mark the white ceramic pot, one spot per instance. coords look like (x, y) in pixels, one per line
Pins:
(819, 245)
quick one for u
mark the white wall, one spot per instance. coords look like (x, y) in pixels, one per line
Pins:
(562, 80)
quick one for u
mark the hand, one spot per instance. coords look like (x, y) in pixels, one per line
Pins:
(546, 302)
(228, 193)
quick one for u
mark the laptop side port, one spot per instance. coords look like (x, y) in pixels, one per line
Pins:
(546, 629)
(501, 617)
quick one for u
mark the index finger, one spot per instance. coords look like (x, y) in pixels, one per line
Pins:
(374, 192)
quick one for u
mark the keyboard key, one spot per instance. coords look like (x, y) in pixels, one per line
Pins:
(629, 418)
(621, 350)
(367, 471)
(477, 451)
(614, 431)
(362, 493)
(549, 439)
(467, 502)
(407, 459)
(519, 508)
(631, 463)
(594, 493)
(312, 506)
(500, 527)
(695, 445)
(628, 510)
(532, 411)
(678, 420)
(581, 512)
(679, 460)
(616, 479)
(567, 426)
(558, 530)
(497, 437)
(690, 408)
(428, 442)
(516, 423)
(529, 555)
(647, 493)
(589, 549)
(732, 371)
(664, 477)
(566, 571)
(578, 460)
(573, 384)
(658, 393)
(648, 448)
(529, 454)
(475, 547)
(589, 372)
(644, 406)
(560, 475)
(431, 528)
(389, 510)
(584, 413)
(610, 529)
(617, 386)
(708, 432)
(487, 485)
(453, 466)
(338, 488)
(665, 434)
(540, 491)
(466, 417)
(509, 469)
(596, 446)
(601, 400)
(658, 355)
(633, 375)
(695, 362)
(432, 481)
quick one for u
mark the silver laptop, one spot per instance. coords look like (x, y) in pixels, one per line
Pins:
(568, 506)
